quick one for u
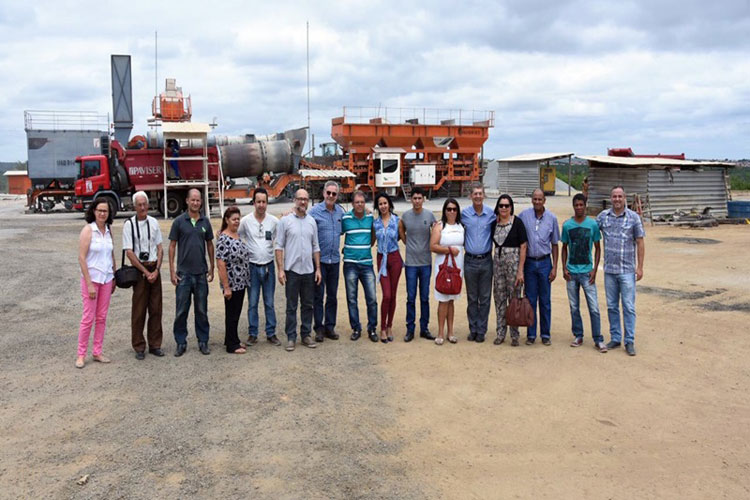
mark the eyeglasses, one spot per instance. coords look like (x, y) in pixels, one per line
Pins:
(451, 209)
(302, 199)
(331, 193)
(260, 229)
(101, 211)
(504, 205)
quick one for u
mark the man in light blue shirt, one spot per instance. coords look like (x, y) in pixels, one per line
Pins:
(328, 217)
(477, 220)
(622, 231)
(539, 272)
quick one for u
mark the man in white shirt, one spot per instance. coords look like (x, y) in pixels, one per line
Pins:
(142, 242)
(258, 230)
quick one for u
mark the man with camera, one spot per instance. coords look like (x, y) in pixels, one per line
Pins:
(142, 234)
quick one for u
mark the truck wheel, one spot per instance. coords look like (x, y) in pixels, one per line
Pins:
(174, 204)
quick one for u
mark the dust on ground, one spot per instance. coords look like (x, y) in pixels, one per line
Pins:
(368, 420)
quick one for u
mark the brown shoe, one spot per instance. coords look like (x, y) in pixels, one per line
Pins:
(290, 345)
(308, 342)
(252, 340)
(274, 340)
(318, 337)
(331, 335)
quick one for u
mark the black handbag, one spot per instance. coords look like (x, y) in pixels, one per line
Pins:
(127, 276)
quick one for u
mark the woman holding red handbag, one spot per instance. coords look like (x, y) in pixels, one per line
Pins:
(447, 241)
(509, 237)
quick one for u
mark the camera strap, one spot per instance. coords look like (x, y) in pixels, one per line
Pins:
(134, 222)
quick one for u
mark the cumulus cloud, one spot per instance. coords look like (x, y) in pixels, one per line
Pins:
(662, 76)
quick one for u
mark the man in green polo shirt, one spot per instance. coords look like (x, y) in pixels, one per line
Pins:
(356, 226)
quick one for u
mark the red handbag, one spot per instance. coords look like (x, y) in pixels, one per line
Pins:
(448, 280)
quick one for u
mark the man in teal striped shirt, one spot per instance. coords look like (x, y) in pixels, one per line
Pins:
(356, 226)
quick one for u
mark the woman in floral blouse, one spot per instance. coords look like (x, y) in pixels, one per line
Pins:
(233, 262)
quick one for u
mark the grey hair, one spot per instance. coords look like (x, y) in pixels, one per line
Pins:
(140, 193)
(359, 193)
(477, 185)
(332, 183)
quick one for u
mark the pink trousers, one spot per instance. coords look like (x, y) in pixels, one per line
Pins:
(94, 313)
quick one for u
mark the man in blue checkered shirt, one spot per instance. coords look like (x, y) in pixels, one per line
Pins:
(624, 251)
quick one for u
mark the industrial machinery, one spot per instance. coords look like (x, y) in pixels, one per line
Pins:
(394, 148)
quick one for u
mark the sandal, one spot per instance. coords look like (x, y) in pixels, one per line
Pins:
(439, 341)
(452, 339)
(239, 350)
(101, 358)
(80, 361)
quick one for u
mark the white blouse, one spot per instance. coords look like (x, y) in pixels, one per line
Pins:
(99, 257)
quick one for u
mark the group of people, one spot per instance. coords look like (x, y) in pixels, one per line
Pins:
(497, 253)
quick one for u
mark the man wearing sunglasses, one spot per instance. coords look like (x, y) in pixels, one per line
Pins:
(540, 268)
(258, 230)
(328, 217)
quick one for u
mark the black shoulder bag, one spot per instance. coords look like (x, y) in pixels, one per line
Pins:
(127, 276)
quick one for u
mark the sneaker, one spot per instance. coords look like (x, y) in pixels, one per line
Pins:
(577, 342)
(307, 341)
(498, 340)
(613, 345)
(140, 355)
(290, 345)
(274, 340)
(546, 342)
(530, 341)
(630, 349)
(252, 340)
(356, 334)
(514, 342)
(601, 346)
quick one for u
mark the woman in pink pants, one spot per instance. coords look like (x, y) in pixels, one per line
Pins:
(389, 261)
(97, 260)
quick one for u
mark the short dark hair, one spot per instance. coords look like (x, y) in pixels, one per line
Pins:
(504, 197)
(417, 190)
(617, 187)
(377, 200)
(260, 190)
(91, 217)
(359, 192)
(444, 218)
(229, 212)
(579, 197)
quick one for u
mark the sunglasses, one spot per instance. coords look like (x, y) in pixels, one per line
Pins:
(451, 209)
(331, 193)
(504, 205)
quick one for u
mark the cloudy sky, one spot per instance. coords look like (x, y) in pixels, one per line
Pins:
(582, 76)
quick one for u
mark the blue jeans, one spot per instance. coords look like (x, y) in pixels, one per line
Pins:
(363, 273)
(536, 278)
(578, 281)
(262, 278)
(620, 287)
(328, 287)
(197, 286)
(418, 275)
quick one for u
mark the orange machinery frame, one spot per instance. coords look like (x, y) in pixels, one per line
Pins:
(453, 148)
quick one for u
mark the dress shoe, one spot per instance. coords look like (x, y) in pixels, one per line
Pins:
(140, 355)
(331, 334)
(319, 337)
(530, 341)
(472, 337)
(613, 345)
(373, 336)
(307, 341)
(181, 348)
(514, 342)
(479, 339)
(290, 345)
(356, 335)
(157, 352)
(409, 337)
(203, 346)
(252, 339)
(274, 340)
(630, 349)
(427, 335)
(390, 338)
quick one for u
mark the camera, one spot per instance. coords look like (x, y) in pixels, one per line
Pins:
(143, 256)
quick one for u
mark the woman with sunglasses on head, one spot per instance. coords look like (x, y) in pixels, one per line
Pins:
(96, 257)
(389, 261)
(509, 236)
(447, 239)
(233, 262)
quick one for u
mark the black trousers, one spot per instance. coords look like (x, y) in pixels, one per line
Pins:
(299, 287)
(232, 312)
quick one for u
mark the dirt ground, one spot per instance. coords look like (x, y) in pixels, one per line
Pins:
(365, 420)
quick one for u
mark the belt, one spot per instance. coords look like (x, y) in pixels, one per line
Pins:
(543, 257)
(261, 265)
(478, 256)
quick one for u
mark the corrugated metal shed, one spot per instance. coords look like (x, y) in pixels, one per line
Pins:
(325, 174)
(536, 157)
(519, 175)
(670, 185)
